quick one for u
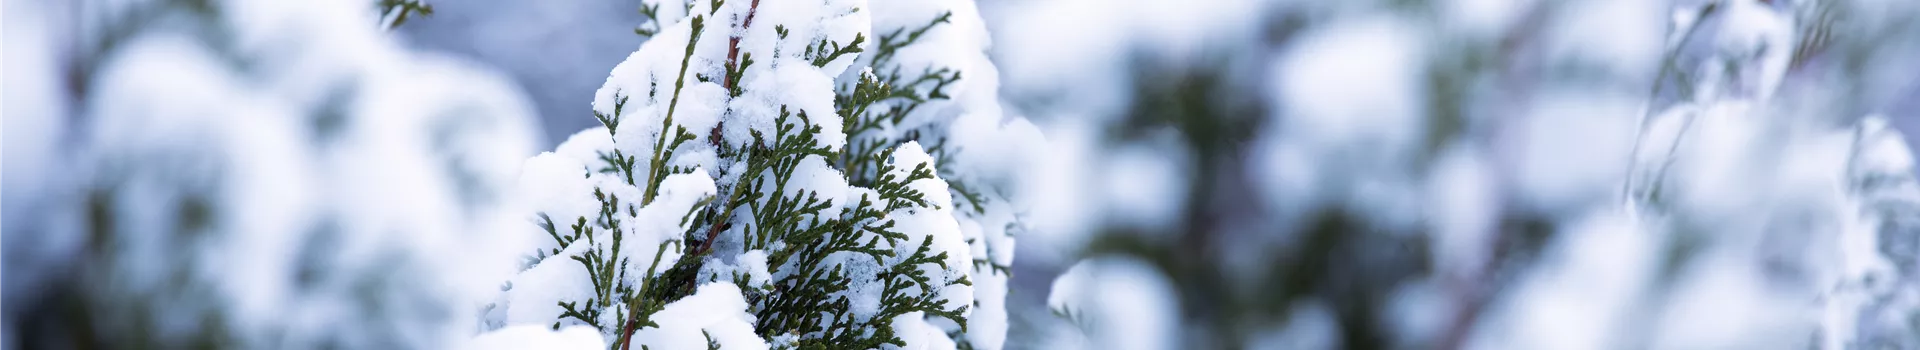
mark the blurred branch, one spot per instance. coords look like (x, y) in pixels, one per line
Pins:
(393, 13)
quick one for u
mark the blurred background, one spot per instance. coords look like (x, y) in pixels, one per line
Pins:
(559, 51)
(1277, 174)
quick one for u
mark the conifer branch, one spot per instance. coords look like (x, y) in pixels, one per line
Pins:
(733, 46)
(652, 13)
(654, 169)
(736, 69)
(396, 12)
(680, 81)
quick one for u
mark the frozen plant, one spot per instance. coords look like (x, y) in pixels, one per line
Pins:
(784, 174)
(1582, 174)
(260, 174)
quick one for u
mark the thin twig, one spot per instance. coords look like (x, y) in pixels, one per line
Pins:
(1667, 69)
(733, 53)
(733, 45)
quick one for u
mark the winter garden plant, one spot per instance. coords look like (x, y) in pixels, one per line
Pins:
(265, 174)
(786, 174)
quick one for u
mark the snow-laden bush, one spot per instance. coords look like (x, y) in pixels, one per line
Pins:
(785, 174)
(1581, 174)
(257, 174)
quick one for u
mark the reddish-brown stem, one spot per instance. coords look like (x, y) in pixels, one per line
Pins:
(626, 333)
(733, 46)
(733, 53)
(733, 56)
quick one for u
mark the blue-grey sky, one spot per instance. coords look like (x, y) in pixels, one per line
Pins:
(559, 51)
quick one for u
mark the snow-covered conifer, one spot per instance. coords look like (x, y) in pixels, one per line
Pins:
(784, 174)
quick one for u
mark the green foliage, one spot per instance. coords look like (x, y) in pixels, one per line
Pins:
(826, 51)
(811, 299)
(401, 10)
(891, 42)
(734, 74)
(652, 25)
(819, 249)
(603, 262)
(886, 98)
(662, 151)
